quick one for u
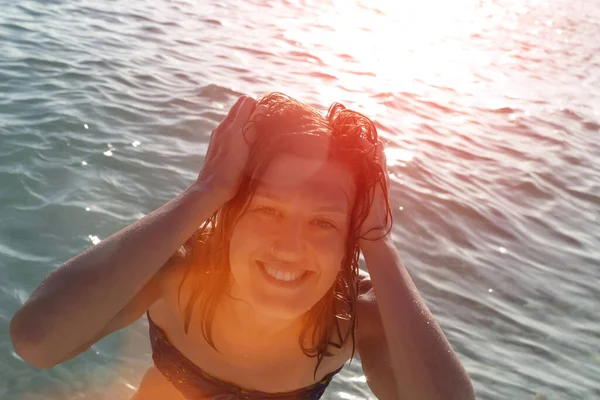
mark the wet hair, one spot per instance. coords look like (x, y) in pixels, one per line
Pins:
(285, 127)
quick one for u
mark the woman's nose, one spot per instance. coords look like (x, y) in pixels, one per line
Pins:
(289, 244)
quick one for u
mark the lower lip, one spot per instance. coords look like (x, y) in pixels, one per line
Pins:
(284, 284)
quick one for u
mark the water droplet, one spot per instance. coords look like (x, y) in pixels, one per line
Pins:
(94, 239)
(87, 209)
(85, 126)
(135, 143)
(108, 153)
(84, 163)
(502, 250)
(400, 208)
(490, 290)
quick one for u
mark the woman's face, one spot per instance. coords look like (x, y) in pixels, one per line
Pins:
(287, 248)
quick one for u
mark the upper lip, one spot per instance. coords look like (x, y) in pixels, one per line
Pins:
(282, 267)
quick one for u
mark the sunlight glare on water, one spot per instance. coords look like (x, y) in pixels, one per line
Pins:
(391, 44)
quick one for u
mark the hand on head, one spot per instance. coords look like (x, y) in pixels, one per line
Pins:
(228, 148)
(378, 223)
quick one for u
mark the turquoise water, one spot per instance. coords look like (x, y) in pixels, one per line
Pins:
(492, 109)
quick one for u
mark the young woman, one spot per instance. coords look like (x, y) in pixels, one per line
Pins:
(265, 300)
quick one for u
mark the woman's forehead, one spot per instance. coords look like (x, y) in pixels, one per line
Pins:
(328, 198)
(314, 178)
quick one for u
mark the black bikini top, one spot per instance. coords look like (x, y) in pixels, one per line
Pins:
(196, 384)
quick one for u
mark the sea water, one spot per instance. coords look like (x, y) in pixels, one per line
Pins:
(492, 114)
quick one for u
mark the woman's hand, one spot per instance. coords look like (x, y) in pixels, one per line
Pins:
(378, 223)
(228, 150)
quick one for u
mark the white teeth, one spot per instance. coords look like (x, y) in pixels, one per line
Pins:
(282, 276)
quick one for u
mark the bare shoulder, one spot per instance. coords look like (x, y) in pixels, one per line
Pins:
(175, 271)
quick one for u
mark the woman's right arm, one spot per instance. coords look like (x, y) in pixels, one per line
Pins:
(75, 303)
(86, 298)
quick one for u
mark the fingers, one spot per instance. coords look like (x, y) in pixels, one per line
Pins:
(251, 133)
(259, 110)
(233, 111)
(244, 110)
(225, 125)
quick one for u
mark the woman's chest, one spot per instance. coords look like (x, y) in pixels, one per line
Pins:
(277, 366)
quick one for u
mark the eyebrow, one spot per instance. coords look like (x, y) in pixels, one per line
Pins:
(330, 208)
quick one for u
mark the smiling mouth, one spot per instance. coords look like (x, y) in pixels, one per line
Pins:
(281, 276)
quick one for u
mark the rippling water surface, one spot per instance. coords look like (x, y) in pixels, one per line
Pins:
(491, 108)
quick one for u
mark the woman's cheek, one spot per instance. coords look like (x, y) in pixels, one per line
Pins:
(330, 246)
(322, 242)
(246, 236)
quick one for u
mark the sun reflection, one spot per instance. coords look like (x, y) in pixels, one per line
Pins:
(390, 43)
(384, 47)
(396, 156)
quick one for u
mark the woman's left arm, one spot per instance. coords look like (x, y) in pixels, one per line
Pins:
(404, 352)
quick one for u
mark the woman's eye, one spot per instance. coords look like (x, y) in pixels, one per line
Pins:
(323, 223)
(269, 211)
